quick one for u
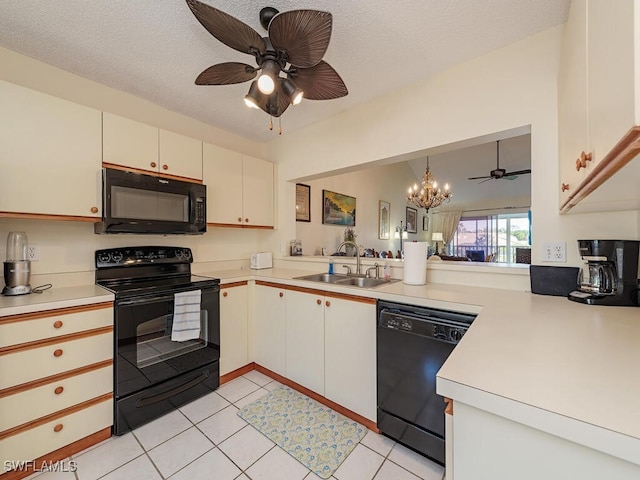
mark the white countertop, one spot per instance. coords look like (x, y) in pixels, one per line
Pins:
(55, 297)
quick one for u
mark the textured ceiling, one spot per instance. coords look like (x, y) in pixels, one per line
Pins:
(154, 49)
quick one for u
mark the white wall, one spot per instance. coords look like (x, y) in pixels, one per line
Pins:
(369, 186)
(511, 87)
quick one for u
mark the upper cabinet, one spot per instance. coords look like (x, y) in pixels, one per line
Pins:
(239, 188)
(598, 100)
(48, 147)
(143, 147)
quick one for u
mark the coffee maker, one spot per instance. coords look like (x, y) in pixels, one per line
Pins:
(17, 267)
(610, 276)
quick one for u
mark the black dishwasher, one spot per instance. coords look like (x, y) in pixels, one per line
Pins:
(412, 344)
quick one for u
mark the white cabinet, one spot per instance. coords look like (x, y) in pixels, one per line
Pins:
(305, 318)
(234, 352)
(268, 332)
(350, 355)
(239, 188)
(136, 145)
(598, 97)
(49, 147)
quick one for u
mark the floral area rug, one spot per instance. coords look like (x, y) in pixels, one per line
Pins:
(310, 432)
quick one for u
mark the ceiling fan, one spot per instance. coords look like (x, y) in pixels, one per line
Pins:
(498, 172)
(296, 42)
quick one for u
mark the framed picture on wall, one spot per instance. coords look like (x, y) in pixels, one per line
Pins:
(384, 220)
(425, 223)
(303, 203)
(412, 219)
(338, 209)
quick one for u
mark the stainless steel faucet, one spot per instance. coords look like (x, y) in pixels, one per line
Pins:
(349, 242)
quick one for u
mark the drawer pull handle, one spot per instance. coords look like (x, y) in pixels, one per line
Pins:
(246, 220)
(281, 294)
(319, 302)
(165, 167)
(58, 428)
(58, 390)
(224, 294)
(328, 303)
(153, 165)
(94, 209)
(57, 353)
(239, 219)
(57, 324)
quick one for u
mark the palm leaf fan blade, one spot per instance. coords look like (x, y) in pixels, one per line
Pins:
(320, 82)
(229, 30)
(303, 34)
(226, 74)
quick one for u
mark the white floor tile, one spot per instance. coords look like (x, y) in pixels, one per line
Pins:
(178, 452)
(421, 466)
(222, 425)
(236, 389)
(378, 443)
(391, 471)
(257, 377)
(203, 407)
(212, 465)
(361, 464)
(107, 457)
(161, 429)
(246, 446)
(313, 476)
(53, 476)
(141, 469)
(277, 465)
(242, 477)
(252, 397)
(272, 385)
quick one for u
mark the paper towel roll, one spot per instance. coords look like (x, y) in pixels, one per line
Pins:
(415, 263)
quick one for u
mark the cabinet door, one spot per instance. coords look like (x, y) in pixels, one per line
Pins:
(180, 155)
(50, 154)
(350, 355)
(233, 329)
(257, 189)
(222, 174)
(305, 339)
(572, 98)
(268, 332)
(129, 143)
(611, 63)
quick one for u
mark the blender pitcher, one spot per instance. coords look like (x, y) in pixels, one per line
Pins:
(17, 267)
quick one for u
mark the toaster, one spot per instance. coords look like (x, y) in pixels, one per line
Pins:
(261, 260)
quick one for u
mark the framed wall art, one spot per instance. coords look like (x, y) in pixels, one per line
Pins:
(338, 209)
(384, 220)
(303, 203)
(412, 219)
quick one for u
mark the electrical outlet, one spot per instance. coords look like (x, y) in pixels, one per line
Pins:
(33, 252)
(554, 252)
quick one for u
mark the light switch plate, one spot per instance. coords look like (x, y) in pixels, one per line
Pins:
(554, 252)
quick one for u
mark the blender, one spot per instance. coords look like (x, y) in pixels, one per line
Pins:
(17, 267)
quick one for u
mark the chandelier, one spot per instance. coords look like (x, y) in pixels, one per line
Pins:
(429, 195)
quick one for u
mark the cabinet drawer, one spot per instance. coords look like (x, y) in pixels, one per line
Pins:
(34, 403)
(32, 329)
(27, 365)
(42, 439)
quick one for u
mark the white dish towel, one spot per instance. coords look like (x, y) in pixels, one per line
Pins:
(186, 316)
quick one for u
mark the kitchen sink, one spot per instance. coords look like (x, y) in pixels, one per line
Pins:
(341, 279)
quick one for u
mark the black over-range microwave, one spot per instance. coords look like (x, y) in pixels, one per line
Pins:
(137, 203)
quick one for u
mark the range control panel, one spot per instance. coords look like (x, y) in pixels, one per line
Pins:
(118, 257)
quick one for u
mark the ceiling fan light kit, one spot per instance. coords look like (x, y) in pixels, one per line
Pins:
(289, 59)
(429, 195)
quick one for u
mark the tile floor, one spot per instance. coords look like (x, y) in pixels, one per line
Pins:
(207, 440)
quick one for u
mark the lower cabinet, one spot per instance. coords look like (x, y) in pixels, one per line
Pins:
(268, 332)
(350, 355)
(234, 350)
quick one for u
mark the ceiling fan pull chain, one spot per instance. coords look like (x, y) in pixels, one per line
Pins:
(270, 123)
(279, 125)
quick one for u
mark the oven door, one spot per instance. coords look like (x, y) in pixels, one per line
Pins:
(145, 354)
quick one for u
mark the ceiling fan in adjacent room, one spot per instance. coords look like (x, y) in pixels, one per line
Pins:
(500, 173)
(289, 60)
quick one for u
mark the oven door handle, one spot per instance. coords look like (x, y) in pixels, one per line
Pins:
(145, 300)
(146, 401)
